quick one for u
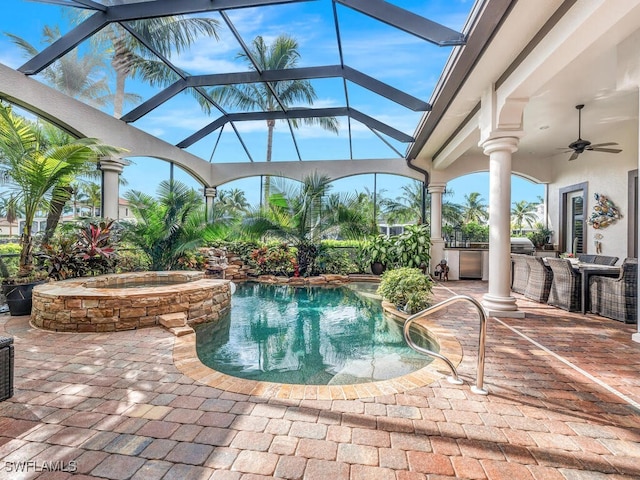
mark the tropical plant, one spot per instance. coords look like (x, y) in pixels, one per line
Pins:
(474, 209)
(540, 236)
(9, 255)
(379, 249)
(81, 77)
(407, 208)
(87, 250)
(130, 58)
(281, 54)
(4, 270)
(297, 214)
(333, 260)
(232, 203)
(35, 168)
(412, 247)
(11, 210)
(168, 227)
(275, 260)
(523, 212)
(407, 288)
(474, 232)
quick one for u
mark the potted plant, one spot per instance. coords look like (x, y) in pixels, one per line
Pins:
(36, 165)
(378, 252)
(413, 247)
(540, 237)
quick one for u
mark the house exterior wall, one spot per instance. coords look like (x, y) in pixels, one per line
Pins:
(606, 174)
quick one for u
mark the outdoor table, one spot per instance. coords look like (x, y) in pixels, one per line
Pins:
(586, 270)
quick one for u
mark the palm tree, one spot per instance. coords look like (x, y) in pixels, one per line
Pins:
(93, 194)
(167, 35)
(298, 214)
(35, 167)
(170, 225)
(11, 210)
(407, 208)
(523, 212)
(232, 202)
(474, 209)
(81, 77)
(281, 54)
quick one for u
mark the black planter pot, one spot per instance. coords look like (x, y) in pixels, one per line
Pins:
(19, 298)
(378, 268)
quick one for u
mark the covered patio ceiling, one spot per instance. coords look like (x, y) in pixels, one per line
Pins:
(568, 53)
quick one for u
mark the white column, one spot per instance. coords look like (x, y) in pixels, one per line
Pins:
(636, 336)
(111, 170)
(498, 300)
(437, 242)
(210, 194)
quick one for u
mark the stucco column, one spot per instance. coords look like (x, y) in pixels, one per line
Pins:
(111, 170)
(437, 242)
(498, 300)
(636, 336)
(210, 194)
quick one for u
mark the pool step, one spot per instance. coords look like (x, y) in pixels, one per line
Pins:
(172, 320)
(180, 331)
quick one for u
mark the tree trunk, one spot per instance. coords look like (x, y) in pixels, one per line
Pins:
(61, 195)
(267, 179)
(25, 264)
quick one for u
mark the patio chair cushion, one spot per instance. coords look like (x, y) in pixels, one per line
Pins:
(540, 279)
(520, 273)
(565, 287)
(605, 260)
(617, 298)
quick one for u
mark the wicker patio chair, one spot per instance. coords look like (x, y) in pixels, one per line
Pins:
(617, 298)
(520, 273)
(605, 260)
(540, 279)
(584, 258)
(565, 287)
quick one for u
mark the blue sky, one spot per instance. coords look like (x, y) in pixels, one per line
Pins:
(401, 60)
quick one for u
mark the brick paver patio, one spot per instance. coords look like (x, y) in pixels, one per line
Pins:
(563, 403)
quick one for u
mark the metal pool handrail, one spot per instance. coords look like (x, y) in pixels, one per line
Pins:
(478, 388)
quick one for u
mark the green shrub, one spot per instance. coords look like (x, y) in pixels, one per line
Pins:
(10, 262)
(407, 288)
(242, 249)
(275, 260)
(332, 260)
(132, 260)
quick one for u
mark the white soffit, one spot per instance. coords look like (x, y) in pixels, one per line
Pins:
(507, 44)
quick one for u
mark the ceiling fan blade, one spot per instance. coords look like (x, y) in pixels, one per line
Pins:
(603, 144)
(574, 156)
(607, 150)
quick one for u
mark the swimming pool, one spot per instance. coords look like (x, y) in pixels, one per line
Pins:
(309, 336)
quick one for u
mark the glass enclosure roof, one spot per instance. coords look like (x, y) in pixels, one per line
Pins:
(201, 74)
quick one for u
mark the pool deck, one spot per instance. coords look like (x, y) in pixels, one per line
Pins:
(563, 403)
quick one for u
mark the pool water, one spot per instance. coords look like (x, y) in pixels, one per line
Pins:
(309, 336)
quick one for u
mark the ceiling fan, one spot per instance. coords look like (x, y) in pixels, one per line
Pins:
(581, 145)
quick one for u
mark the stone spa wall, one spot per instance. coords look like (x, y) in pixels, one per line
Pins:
(129, 301)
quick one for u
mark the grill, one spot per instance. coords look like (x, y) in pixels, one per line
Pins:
(522, 245)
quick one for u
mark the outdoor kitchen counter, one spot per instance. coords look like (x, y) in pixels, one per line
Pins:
(467, 263)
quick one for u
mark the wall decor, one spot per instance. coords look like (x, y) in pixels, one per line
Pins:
(605, 212)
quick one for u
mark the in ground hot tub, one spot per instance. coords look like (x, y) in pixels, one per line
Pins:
(129, 301)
